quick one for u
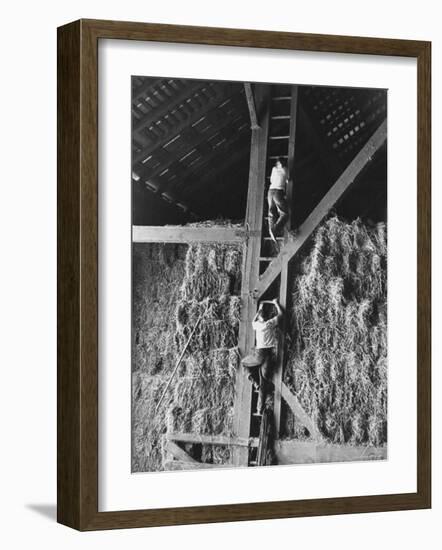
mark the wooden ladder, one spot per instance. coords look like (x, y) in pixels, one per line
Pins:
(280, 144)
(273, 138)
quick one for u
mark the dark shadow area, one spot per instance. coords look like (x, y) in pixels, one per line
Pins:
(48, 511)
(333, 125)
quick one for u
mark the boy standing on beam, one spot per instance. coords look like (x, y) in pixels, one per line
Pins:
(259, 363)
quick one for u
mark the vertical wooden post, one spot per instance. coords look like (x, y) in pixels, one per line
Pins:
(284, 277)
(250, 269)
(251, 104)
(279, 370)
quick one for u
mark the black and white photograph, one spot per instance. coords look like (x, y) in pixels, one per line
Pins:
(259, 274)
(220, 263)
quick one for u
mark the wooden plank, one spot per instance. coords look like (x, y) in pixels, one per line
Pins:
(304, 452)
(145, 88)
(208, 439)
(157, 112)
(330, 200)
(178, 453)
(251, 105)
(184, 234)
(284, 278)
(217, 98)
(190, 139)
(287, 452)
(250, 269)
(296, 408)
(182, 465)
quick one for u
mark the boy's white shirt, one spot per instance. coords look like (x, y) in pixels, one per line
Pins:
(278, 178)
(265, 332)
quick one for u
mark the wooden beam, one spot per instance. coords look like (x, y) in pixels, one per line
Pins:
(297, 452)
(251, 105)
(185, 234)
(305, 452)
(156, 126)
(329, 201)
(278, 373)
(220, 95)
(191, 139)
(287, 452)
(250, 268)
(157, 112)
(177, 452)
(296, 408)
(209, 439)
(148, 85)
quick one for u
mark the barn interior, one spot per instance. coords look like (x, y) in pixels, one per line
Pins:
(202, 253)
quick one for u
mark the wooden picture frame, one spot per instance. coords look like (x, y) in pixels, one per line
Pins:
(77, 460)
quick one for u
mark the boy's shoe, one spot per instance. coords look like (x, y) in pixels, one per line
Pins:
(253, 381)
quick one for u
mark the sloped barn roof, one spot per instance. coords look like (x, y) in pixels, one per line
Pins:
(191, 146)
(189, 137)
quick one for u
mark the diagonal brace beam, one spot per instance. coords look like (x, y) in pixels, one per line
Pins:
(296, 408)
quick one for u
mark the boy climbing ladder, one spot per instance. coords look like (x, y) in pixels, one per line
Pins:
(276, 198)
(259, 363)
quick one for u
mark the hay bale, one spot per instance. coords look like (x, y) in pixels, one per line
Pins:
(173, 285)
(211, 285)
(337, 356)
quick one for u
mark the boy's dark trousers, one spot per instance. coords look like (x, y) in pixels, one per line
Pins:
(259, 368)
(278, 209)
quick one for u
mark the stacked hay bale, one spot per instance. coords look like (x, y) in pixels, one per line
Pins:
(203, 394)
(337, 362)
(158, 270)
(206, 280)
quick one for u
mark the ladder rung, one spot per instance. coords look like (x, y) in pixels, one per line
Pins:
(280, 117)
(282, 98)
(266, 258)
(253, 463)
(257, 414)
(270, 238)
(279, 137)
(278, 156)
